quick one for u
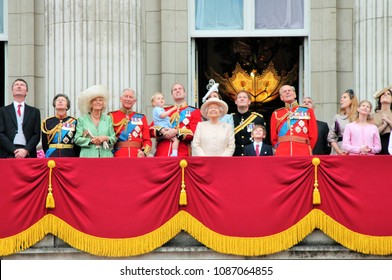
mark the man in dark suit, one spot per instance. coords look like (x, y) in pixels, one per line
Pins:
(20, 124)
(258, 148)
(322, 147)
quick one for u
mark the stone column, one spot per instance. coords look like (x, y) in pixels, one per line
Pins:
(373, 53)
(92, 42)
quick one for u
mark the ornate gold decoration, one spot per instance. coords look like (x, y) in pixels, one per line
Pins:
(263, 87)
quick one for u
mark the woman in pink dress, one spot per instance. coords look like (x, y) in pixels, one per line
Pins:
(361, 137)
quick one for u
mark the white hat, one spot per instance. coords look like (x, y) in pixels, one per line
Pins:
(212, 86)
(89, 94)
(378, 93)
(221, 104)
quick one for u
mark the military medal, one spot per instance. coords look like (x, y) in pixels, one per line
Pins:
(250, 127)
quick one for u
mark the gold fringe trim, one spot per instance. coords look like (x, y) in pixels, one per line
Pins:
(249, 246)
(116, 247)
(362, 243)
(25, 239)
(256, 246)
(244, 246)
(106, 247)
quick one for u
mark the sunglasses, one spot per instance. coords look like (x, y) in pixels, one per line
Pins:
(350, 93)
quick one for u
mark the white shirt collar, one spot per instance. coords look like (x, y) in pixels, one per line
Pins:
(259, 143)
(17, 103)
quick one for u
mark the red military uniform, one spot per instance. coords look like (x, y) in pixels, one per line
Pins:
(185, 119)
(293, 130)
(132, 132)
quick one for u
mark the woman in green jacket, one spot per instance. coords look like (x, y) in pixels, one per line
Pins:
(94, 131)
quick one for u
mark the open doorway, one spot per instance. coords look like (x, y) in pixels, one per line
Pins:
(258, 65)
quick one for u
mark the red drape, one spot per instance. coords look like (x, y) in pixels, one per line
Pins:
(246, 206)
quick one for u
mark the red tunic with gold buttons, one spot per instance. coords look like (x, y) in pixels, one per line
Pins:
(185, 119)
(293, 130)
(132, 132)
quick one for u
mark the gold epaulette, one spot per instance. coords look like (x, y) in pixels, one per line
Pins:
(258, 114)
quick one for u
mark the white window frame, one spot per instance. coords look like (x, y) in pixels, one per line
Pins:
(4, 38)
(4, 35)
(248, 31)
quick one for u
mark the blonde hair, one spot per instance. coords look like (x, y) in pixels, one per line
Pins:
(369, 117)
(90, 104)
(155, 96)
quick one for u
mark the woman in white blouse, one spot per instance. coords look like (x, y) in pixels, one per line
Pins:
(213, 137)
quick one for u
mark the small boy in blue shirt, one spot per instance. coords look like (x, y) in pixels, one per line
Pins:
(161, 118)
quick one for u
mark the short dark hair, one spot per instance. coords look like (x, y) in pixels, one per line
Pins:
(20, 80)
(244, 91)
(61, 95)
(260, 126)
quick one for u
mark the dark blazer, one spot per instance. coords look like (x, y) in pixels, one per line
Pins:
(266, 150)
(322, 147)
(9, 126)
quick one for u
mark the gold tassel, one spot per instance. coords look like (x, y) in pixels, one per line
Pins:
(316, 197)
(183, 198)
(49, 198)
(50, 201)
(316, 193)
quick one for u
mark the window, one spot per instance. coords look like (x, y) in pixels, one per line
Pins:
(3, 47)
(257, 44)
(1, 17)
(248, 18)
(3, 20)
(279, 14)
(219, 14)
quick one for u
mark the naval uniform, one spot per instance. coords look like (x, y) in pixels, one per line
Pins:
(132, 133)
(58, 137)
(243, 126)
(293, 130)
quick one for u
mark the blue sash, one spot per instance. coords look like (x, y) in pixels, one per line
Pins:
(285, 128)
(63, 133)
(183, 115)
(130, 127)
